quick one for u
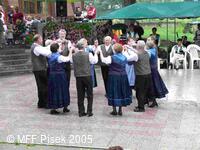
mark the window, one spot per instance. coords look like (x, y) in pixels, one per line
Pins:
(39, 7)
(33, 7)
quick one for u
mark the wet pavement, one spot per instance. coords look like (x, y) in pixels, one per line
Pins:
(174, 125)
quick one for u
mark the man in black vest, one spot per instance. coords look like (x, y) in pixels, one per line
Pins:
(81, 61)
(107, 50)
(66, 44)
(39, 63)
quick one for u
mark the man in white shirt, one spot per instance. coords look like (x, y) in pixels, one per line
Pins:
(64, 46)
(39, 63)
(107, 50)
(82, 72)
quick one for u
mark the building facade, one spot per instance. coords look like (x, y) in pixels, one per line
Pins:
(43, 8)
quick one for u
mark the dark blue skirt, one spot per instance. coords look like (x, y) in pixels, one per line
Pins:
(58, 90)
(119, 92)
(158, 88)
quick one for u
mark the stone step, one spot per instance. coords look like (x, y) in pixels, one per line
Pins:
(15, 67)
(14, 56)
(14, 62)
(14, 51)
(15, 72)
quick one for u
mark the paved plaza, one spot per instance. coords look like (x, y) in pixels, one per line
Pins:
(174, 125)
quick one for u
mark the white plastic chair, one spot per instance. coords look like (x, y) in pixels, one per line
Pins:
(161, 60)
(184, 59)
(194, 55)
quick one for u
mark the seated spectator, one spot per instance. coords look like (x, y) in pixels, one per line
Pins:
(91, 11)
(185, 41)
(178, 51)
(29, 21)
(9, 35)
(156, 36)
(78, 16)
(138, 30)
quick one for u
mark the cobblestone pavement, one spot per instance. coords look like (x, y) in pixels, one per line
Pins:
(174, 125)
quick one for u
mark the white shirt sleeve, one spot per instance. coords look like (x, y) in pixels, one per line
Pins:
(106, 60)
(40, 50)
(63, 59)
(131, 56)
(93, 58)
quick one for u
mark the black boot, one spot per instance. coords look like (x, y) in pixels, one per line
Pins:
(54, 112)
(154, 104)
(66, 110)
(114, 112)
(120, 111)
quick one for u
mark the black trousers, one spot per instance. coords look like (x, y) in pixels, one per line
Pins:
(104, 71)
(42, 86)
(84, 84)
(68, 71)
(142, 86)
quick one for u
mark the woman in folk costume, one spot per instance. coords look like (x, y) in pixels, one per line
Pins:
(119, 93)
(129, 49)
(90, 49)
(158, 88)
(58, 87)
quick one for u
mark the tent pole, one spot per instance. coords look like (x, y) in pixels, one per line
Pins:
(175, 30)
(167, 29)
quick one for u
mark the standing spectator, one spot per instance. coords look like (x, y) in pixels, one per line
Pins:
(197, 35)
(9, 35)
(185, 42)
(78, 15)
(17, 16)
(10, 14)
(123, 37)
(39, 63)
(155, 36)
(1, 32)
(138, 30)
(91, 11)
(2, 14)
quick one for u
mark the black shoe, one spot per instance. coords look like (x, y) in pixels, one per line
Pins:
(90, 114)
(66, 110)
(154, 104)
(114, 113)
(137, 109)
(42, 106)
(82, 114)
(120, 113)
(54, 112)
